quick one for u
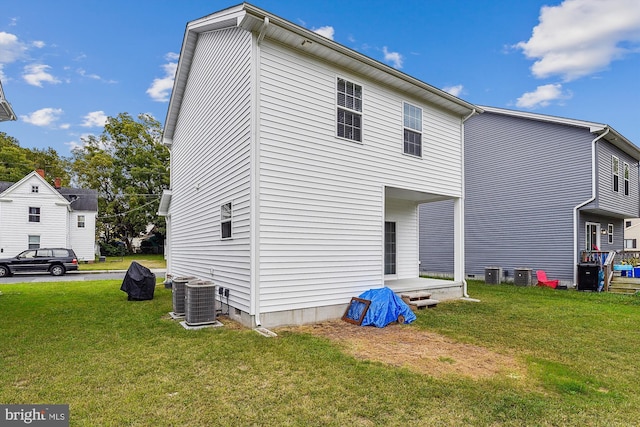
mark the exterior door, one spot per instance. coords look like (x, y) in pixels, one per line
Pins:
(389, 247)
(592, 236)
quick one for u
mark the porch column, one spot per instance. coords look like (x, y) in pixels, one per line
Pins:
(458, 240)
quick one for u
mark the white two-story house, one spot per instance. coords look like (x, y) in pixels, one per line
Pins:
(35, 214)
(297, 168)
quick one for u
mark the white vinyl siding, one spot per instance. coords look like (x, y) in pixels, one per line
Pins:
(321, 200)
(82, 239)
(210, 165)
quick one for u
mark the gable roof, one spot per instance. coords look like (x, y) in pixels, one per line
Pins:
(267, 25)
(6, 112)
(78, 199)
(612, 136)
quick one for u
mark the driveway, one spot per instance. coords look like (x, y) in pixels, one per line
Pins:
(71, 276)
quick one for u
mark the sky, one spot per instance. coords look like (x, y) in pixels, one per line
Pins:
(68, 65)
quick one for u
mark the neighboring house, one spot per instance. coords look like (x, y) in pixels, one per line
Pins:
(538, 191)
(6, 112)
(631, 234)
(297, 168)
(35, 214)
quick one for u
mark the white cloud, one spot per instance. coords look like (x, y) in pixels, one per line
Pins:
(454, 90)
(43, 117)
(581, 37)
(160, 88)
(326, 31)
(38, 44)
(394, 57)
(36, 74)
(11, 49)
(94, 119)
(542, 96)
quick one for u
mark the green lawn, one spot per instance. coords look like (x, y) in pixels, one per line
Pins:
(117, 363)
(123, 262)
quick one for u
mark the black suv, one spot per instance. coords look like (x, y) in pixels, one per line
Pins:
(56, 261)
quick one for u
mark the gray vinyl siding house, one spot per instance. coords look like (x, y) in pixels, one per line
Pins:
(538, 190)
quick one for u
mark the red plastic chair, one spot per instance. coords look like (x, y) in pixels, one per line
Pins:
(543, 281)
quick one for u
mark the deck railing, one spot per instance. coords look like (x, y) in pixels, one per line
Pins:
(607, 260)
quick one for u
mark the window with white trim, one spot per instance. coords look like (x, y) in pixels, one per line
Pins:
(615, 170)
(349, 116)
(225, 220)
(610, 233)
(34, 214)
(630, 243)
(81, 221)
(412, 130)
(625, 176)
(34, 242)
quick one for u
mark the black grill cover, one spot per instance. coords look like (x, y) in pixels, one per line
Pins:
(139, 283)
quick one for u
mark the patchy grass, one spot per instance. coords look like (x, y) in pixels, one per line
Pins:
(123, 262)
(119, 362)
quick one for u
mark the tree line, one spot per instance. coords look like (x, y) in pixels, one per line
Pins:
(127, 164)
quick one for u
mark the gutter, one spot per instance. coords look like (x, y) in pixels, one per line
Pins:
(586, 202)
(255, 178)
(465, 293)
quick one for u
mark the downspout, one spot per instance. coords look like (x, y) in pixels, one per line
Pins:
(465, 294)
(586, 202)
(255, 185)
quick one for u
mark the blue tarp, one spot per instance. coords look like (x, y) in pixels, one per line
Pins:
(385, 308)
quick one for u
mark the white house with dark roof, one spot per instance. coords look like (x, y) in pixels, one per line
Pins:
(297, 168)
(35, 214)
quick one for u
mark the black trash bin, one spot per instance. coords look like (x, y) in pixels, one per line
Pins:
(139, 283)
(588, 276)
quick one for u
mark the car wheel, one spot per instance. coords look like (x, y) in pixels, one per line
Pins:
(56, 270)
(4, 271)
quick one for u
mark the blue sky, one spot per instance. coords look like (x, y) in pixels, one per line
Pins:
(67, 65)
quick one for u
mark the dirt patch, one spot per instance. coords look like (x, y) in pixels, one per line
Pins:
(421, 351)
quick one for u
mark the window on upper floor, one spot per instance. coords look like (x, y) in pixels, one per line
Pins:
(615, 170)
(34, 188)
(610, 233)
(225, 220)
(625, 176)
(81, 221)
(627, 224)
(34, 214)
(349, 116)
(412, 130)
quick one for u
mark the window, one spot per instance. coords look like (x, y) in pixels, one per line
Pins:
(349, 110)
(80, 221)
(630, 243)
(625, 172)
(610, 233)
(615, 169)
(34, 242)
(627, 224)
(412, 130)
(225, 220)
(34, 189)
(34, 214)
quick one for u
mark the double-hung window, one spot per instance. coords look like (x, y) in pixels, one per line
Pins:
(34, 214)
(225, 220)
(615, 170)
(625, 176)
(412, 130)
(349, 118)
(81, 221)
(610, 233)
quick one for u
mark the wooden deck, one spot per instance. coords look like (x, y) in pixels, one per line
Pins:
(441, 289)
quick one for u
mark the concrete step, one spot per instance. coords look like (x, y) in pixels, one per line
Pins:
(418, 300)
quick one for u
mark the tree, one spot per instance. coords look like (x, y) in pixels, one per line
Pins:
(16, 162)
(129, 167)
